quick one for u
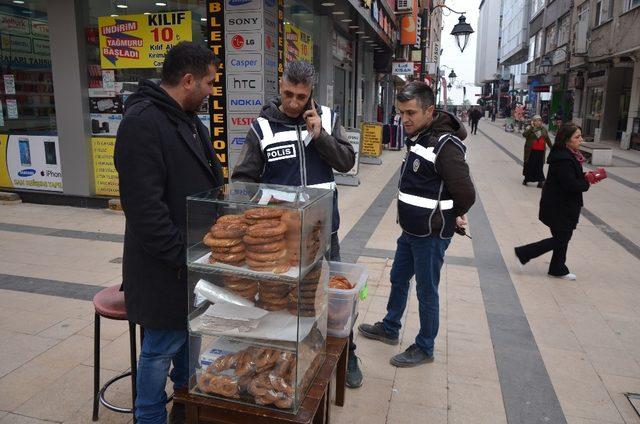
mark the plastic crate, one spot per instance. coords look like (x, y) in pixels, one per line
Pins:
(344, 303)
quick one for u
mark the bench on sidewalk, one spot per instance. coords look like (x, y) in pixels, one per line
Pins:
(600, 153)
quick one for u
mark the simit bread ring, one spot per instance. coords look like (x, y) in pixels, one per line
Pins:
(215, 261)
(233, 249)
(261, 240)
(224, 385)
(229, 230)
(266, 257)
(267, 247)
(252, 222)
(263, 213)
(228, 257)
(220, 242)
(267, 229)
(231, 218)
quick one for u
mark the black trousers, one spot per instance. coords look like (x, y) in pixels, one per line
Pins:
(558, 243)
(474, 126)
(335, 256)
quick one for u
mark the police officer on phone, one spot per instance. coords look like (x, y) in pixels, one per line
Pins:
(297, 142)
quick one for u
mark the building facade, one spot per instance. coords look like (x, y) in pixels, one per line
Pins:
(68, 66)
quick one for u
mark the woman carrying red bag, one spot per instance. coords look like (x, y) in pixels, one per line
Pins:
(536, 141)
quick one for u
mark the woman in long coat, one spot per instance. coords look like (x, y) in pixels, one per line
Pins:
(561, 201)
(536, 141)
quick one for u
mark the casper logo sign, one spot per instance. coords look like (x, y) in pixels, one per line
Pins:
(243, 5)
(246, 21)
(245, 101)
(242, 63)
(244, 82)
(244, 42)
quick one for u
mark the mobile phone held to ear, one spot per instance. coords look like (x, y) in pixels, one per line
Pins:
(308, 105)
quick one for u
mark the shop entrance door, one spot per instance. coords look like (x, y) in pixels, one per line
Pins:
(339, 91)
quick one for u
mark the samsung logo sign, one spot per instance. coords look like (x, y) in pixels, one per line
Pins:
(238, 2)
(26, 172)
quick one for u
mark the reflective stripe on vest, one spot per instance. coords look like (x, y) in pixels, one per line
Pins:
(328, 186)
(425, 153)
(424, 202)
(269, 138)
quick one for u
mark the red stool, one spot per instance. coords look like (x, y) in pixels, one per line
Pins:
(109, 303)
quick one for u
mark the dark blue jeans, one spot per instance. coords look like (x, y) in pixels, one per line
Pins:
(159, 349)
(422, 257)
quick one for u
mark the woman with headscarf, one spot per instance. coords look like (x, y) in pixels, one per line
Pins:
(535, 146)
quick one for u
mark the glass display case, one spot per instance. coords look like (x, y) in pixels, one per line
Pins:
(257, 291)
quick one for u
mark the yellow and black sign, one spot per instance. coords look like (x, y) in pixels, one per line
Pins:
(218, 99)
(371, 140)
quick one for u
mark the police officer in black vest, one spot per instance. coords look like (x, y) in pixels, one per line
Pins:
(297, 142)
(434, 193)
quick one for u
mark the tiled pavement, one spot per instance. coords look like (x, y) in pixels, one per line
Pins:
(513, 346)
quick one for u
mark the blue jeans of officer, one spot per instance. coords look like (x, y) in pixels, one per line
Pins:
(422, 257)
(159, 349)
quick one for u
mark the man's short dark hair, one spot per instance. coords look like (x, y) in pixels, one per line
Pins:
(299, 72)
(419, 91)
(187, 58)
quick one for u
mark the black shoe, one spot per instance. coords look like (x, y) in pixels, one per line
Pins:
(354, 375)
(177, 415)
(411, 357)
(524, 182)
(540, 184)
(377, 332)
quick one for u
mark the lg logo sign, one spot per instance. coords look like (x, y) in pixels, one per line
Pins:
(237, 41)
(245, 42)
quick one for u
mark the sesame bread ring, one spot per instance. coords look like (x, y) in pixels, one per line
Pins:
(283, 301)
(228, 230)
(266, 257)
(233, 249)
(267, 247)
(231, 219)
(276, 269)
(263, 213)
(228, 257)
(221, 242)
(215, 261)
(251, 222)
(267, 229)
(261, 240)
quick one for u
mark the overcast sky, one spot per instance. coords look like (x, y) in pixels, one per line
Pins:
(463, 63)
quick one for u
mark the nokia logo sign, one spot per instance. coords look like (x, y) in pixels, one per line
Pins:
(245, 102)
(281, 152)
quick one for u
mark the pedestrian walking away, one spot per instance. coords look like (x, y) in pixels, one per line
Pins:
(535, 146)
(561, 201)
(163, 154)
(321, 146)
(434, 194)
(474, 118)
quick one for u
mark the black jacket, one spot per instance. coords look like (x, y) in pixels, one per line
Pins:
(160, 161)
(561, 199)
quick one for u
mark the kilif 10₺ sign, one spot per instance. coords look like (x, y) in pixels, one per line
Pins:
(141, 41)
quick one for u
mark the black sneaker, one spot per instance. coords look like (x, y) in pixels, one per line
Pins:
(411, 357)
(377, 332)
(354, 375)
(540, 184)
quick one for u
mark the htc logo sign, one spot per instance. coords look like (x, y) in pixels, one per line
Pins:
(244, 84)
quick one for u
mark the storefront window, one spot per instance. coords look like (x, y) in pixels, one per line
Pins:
(26, 87)
(125, 45)
(594, 102)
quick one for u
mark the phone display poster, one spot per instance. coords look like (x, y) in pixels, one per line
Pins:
(30, 162)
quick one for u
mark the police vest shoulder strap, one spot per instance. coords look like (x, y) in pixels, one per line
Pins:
(449, 138)
(267, 133)
(327, 119)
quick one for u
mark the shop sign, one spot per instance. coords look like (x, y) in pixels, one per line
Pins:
(269, 23)
(105, 123)
(246, 21)
(41, 46)
(353, 137)
(270, 62)
(270, 83)
(230, 5)
(280, 60)
(244, 42)
(299, 44)
(244, 82)
(371, 139)
(141, 41)
(30, 162)
(12, 109)
(408, 30)
(435, 51)
(242, 102)
(236, 140)
(14, 24)
(418, 32)
(250, 62)
(9, 84)
(241, 121)
(270, 43)
(402, 68)
(40, 28)
(105, 176)
(218, 98)
(541, 89)
(16, 43)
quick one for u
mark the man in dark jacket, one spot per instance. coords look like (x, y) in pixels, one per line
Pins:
(474, 117)
(434, 194)
(163, 154)
(297, 142)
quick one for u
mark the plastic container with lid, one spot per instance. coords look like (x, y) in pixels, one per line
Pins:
(344, 303)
